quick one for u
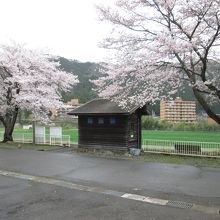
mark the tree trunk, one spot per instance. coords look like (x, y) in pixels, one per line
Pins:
(8, 133)
(9, 122)
(206, 107)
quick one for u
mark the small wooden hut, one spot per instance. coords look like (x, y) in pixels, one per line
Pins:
(104, 125)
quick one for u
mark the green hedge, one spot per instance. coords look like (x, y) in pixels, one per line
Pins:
(152, 123)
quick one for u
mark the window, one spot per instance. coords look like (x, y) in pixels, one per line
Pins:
(112, 120)
(100, 120)
(90, 120)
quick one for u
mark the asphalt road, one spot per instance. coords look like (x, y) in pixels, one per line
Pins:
(25, 199)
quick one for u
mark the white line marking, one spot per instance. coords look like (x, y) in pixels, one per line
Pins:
(145, 199)
(133, 197)
(156, 201)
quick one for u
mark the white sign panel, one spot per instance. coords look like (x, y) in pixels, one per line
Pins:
(40, 135)
(56, 132)
(55, 136)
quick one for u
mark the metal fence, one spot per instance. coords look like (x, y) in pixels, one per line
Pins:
(193, 148)
(207, 149)
(46, 139)
(23, 137)
(53, 140)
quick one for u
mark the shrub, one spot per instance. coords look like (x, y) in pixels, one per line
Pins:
(152, 123)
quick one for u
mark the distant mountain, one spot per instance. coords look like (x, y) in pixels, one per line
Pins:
(89, 71)
(85, 72)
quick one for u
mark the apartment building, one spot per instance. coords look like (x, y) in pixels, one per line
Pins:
(178, 111)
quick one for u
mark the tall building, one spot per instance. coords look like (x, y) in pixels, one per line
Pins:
(178, 111)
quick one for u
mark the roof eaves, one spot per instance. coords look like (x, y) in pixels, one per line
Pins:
(133, 109)
(108, 113)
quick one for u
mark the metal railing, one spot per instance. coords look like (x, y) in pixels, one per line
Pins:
(46, 139)
(193, 148)
(207, 149)
(23, 137)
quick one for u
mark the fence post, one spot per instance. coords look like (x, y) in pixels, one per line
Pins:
(33, 127)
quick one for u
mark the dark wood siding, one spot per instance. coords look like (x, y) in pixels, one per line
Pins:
(104, 136)
(133, 131)
(96, 131)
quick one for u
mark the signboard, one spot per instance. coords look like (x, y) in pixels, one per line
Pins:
(56, 132)
(40, 135)
(55, 135)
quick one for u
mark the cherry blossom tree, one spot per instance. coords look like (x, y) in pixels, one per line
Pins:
(158, 45)
(29, 80)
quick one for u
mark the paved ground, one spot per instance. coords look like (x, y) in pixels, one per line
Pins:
(23, 199)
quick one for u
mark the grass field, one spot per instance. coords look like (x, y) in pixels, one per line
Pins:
(158, 135)
(199, 136)
(167, 135)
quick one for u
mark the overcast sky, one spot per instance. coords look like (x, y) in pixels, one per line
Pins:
(68, 28)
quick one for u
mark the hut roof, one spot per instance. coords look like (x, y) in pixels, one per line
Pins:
(102, 106)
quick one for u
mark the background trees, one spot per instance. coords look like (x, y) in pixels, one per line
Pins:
(86, 72)
(159, 45)
(29, 81)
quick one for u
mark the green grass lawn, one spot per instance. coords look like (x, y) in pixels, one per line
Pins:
(72, 132)
(165, 135)
(199, 136)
